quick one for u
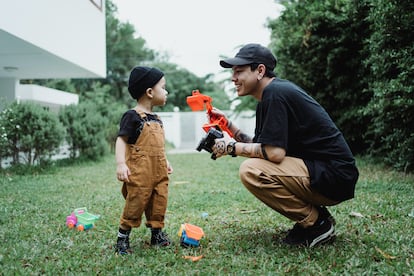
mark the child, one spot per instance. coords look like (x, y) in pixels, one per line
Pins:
(141, 161)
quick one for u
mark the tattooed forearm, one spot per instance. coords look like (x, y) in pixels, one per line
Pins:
(245, 138)
(252, 150)
(238, 135)
(246, 150)
(257, 150)
(242, 137)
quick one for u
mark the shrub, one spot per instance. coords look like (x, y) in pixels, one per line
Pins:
(4, 141)
(113, 114)
(29, 133)
(85, 129)
(320, 47)
(391, 58)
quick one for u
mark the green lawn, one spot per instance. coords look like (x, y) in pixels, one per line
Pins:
(374, 230)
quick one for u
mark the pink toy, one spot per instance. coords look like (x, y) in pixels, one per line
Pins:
(71, 220)
(81, 219)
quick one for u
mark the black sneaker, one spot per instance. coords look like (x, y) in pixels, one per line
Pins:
(323, 211)
(122, 246)
(160, 239)
(323, 231)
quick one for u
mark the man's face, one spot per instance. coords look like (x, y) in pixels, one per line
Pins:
(244, 79)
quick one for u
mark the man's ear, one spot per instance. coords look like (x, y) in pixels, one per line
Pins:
(262, 71)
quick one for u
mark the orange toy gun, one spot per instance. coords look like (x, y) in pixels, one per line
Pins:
(197, 102)
(215, 127)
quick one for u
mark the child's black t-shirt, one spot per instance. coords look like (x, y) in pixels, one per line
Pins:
(132, 123)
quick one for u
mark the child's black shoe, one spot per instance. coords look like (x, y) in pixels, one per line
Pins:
(160, 239)
(122, 246)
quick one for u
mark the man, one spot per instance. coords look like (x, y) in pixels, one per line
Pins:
(298, 161)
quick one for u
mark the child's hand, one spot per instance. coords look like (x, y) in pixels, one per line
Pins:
(123, 172)
(169, 168)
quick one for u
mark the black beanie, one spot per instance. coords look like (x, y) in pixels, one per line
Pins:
(142, 78)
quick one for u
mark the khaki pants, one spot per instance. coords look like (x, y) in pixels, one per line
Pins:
(284, 187)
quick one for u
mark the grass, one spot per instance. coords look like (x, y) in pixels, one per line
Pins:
(374, 230)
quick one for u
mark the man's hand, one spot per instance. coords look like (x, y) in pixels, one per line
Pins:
(220, 146)
(216, 113)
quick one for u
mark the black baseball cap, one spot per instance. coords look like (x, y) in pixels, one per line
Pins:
(251, 53)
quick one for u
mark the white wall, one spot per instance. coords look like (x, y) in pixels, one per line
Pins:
(44, 96)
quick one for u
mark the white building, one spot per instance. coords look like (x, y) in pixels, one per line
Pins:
(50, 39)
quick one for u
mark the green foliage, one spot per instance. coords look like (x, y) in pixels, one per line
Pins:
(318, 45)
(391, 62)
(86, 130)
(5, 149)
(29, 132)
(111, 111)
(355, 58)
(243, 236)
(31, 135)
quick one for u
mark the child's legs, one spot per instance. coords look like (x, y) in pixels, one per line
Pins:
(135, 204)
(157, 206)
(284, 187)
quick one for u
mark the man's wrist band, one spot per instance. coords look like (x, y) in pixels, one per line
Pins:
(231, 149)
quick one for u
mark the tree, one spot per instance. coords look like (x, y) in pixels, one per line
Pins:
(391, 62)
(320, 46)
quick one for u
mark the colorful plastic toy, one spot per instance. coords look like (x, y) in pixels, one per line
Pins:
(81, 219)
(190, 235)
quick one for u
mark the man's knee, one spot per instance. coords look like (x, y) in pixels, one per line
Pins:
(247, 171)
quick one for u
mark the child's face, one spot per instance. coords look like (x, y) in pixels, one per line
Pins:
(160, 93)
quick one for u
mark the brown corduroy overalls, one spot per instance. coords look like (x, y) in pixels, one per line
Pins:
(147, 190)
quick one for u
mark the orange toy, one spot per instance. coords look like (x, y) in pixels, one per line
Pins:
(198, 102)
(190, 235)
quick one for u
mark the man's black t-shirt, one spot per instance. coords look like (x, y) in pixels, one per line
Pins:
(289, 118)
